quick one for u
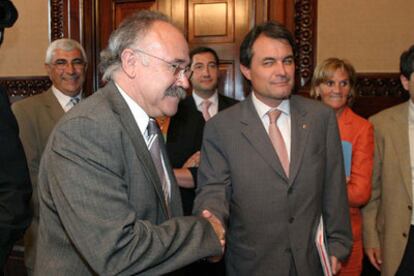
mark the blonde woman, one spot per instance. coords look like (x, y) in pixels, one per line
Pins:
(334, 84)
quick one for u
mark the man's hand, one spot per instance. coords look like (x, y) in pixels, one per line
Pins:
(374, 255)
(336, 265)
(219, 230)
(193, 161)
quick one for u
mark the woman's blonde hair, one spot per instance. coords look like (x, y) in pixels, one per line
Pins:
(325, 70)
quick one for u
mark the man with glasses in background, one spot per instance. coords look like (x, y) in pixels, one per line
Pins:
(185, 133)
(66, 65)
(108, 198)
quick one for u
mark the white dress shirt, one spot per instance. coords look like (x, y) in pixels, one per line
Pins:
(65, 100)
(142, 120)
(283, 122)
(213, 108)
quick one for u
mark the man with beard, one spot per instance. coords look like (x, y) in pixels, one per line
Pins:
(65, 64)
(272, 165)
(109, 202)
(185, 133)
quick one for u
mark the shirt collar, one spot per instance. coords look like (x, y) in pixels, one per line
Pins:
(64, 99)
(141, 118)
(262, 108)
(198, 100)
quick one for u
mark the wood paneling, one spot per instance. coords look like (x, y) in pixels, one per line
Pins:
(122, 10)
(376, 92)
(92, 21)
(210, 21)
(20, 87)
(226, 78)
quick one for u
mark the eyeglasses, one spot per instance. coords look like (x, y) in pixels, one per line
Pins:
(61, 64)
(202, 67)
(175, 68)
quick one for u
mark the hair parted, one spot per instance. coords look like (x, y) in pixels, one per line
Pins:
(201, 50)
(271, 29)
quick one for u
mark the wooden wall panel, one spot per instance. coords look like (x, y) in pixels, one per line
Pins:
(210, 21)
(122, 10)
(226, 78)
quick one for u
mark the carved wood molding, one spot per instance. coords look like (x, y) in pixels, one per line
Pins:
(305, 21)
(56, 19)
(379, 85)
(31, 85)
(25, 86)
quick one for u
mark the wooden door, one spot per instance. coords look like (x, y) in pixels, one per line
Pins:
(219, 24)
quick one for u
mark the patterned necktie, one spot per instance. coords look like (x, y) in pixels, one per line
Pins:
(155, 146)
(277, 140)
(74, 101)
(204, 109)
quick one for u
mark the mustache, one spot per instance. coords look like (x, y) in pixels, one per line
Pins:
(176, 91)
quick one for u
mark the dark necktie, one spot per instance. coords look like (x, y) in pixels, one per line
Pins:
(155, 146)
(277, 140)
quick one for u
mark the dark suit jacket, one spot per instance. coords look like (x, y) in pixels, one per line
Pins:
(101, 201)
(36, 116)
(272, 219)
(15, 188)
(184, 137)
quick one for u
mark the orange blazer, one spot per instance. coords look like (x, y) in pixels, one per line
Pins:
(359, 132)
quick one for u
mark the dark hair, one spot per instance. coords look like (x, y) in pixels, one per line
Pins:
(200, 50)
(407, 62)
(269, 29)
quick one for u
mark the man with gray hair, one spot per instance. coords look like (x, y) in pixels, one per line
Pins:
(109, 201)
(65, 64)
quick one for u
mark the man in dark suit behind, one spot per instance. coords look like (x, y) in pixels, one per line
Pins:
(108, 198)
(185, 130)
(270, 179)
(15, 188)
(185, 133)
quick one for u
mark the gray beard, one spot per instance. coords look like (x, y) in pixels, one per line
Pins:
(176, 91)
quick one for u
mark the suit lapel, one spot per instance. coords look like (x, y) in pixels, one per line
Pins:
(252, 128)
(52, 104)
(121, 108)
(300, 127)
(401, 145)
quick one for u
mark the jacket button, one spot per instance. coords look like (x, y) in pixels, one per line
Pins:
(291, 220)
(410, 207)
(290, 190)
(404, 235)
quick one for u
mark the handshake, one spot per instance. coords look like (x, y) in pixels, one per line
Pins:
(220, 232)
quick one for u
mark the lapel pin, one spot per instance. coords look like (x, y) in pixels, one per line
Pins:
(304, 126)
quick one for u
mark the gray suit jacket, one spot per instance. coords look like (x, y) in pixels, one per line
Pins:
(387, 216)
(36, 117)
(272, 219)
(101, 201)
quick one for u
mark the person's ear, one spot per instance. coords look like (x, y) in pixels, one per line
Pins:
(129, 62)
(245, 71)
(404, 82)
(48, 69)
